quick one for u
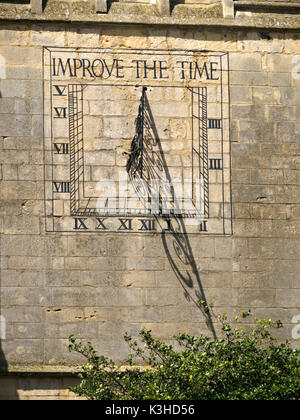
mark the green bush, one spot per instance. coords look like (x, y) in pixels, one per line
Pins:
(241, 365)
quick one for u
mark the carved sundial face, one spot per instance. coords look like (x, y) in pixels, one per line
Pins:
(136, 139)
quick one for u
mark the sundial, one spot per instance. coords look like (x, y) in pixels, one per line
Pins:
(135, 140)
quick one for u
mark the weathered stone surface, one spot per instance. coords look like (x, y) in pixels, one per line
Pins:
(97, 286)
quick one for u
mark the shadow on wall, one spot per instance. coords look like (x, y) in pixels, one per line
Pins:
(38, 386)
(3, 362)
(6, 391)
(8, 386)
(147, 163)
(176, 242)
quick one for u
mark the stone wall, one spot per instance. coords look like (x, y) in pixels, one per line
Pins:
(99, 285)
(37, 387)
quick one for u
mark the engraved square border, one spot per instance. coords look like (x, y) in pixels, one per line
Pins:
(224, 69)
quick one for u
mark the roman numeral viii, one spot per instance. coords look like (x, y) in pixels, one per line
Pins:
(61, 187)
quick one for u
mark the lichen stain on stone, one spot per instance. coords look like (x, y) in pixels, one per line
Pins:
(182, 11)
(182, 14)
(75, 9)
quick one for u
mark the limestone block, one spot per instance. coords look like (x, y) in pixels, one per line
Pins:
(26, 296)
(101, 6)
(23, 349)
(257, 297)
(41, 37)
(245, 61)
(85, 263)
(15, 125)
(31, 314)
(144, 263)
(165, 296)
(288, 298)
(7, 105)
(248, 112)
(240, 94)
(253, 42)
(18, 278)
(10, 172)
(56, 352)
(21, 225)
(28, 330)
(279, 63)
(73, 297)
(163, 7)
(80, 329)
(228, 8)
(118, 127)
(137, 278)
(249, 78)
(143, 314)
(219, 297)
(279, 79)
(126, 246)
(119, 297)
(290, 96)
(21, 55)
(36, 6)
(92, 246)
